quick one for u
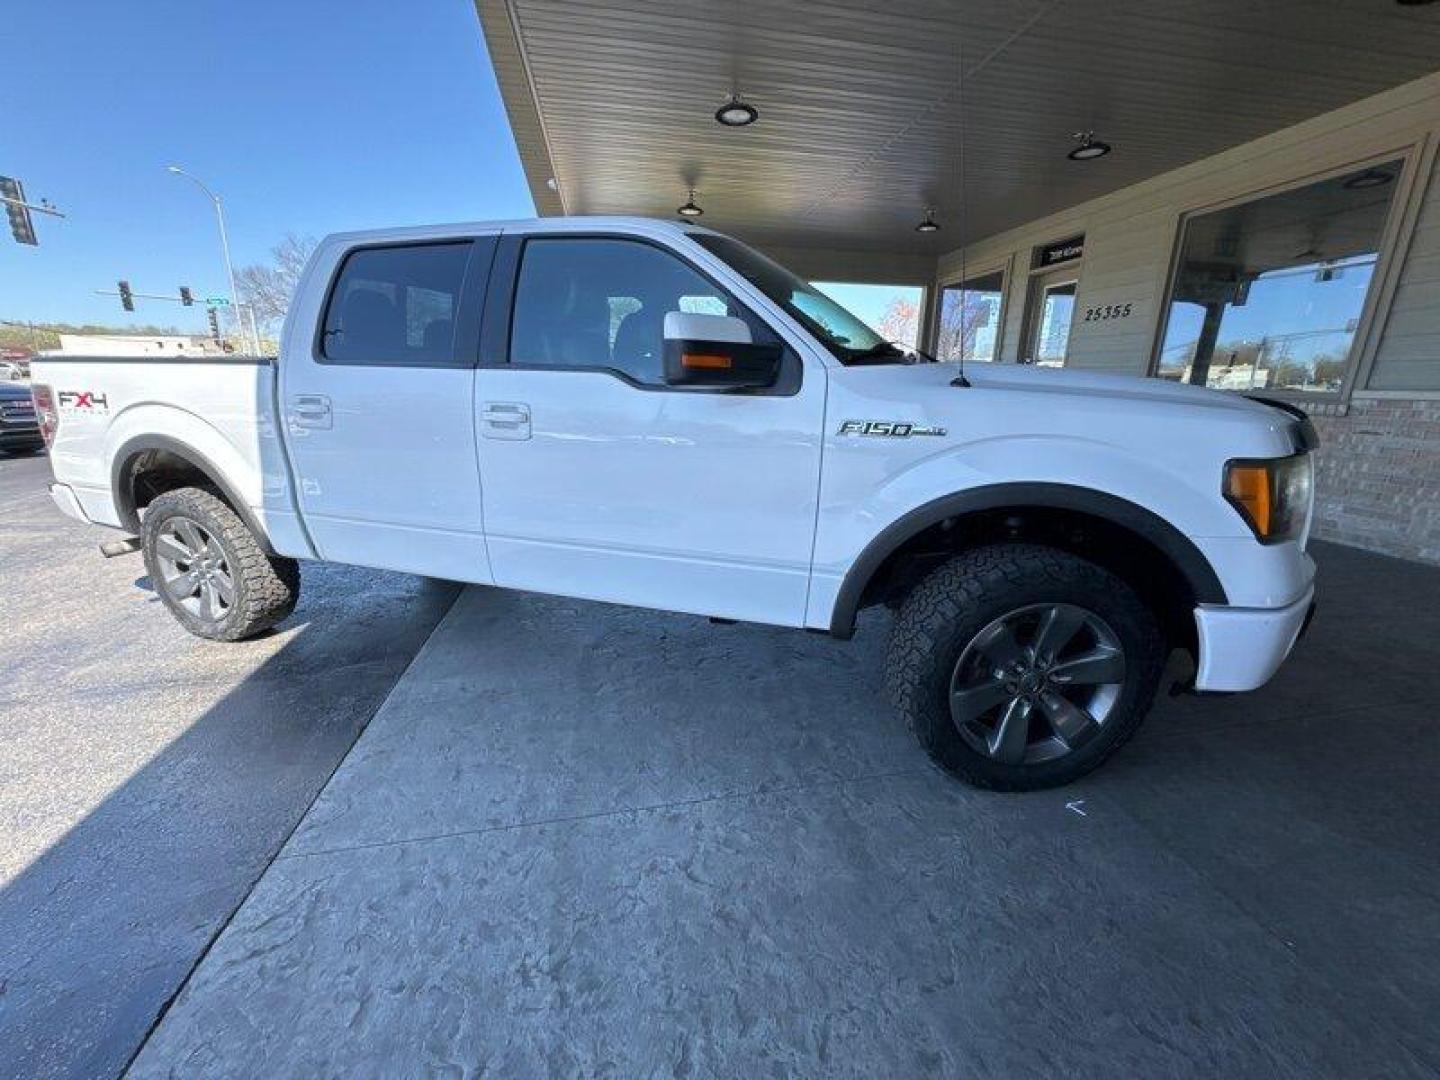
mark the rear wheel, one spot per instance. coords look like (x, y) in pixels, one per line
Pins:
(1022, 667)
(209, 569)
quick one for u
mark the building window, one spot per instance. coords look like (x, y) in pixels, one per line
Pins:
(1269, 294)
(969, 327)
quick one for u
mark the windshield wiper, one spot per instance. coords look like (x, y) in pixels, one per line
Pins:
(876, 354)
(886, 351)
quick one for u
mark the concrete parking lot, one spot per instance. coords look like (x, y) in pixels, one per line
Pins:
(583, 840)
(147, 778)
(579, 839)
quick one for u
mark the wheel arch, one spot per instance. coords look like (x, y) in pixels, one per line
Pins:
(1176, 549)
(130, 463)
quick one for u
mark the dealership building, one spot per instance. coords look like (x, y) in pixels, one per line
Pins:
(1235, 195)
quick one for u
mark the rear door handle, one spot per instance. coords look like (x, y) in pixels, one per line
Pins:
(311, 411)
(505, 420)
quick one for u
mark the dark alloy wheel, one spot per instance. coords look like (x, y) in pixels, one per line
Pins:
(194, 572)
(211, 571)
(1037, 683)
(1020, 666)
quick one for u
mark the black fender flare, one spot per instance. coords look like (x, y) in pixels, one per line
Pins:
(1170, 541)
(125, 496)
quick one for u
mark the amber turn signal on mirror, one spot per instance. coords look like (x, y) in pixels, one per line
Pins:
(704, 360)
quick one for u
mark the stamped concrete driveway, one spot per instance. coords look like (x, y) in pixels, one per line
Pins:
(148, 777)
(583, 840)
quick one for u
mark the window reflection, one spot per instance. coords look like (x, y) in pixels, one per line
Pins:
(1269, 294)
(970, 319)
(1057, 311)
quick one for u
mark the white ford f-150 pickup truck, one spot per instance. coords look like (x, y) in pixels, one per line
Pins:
(657, 415)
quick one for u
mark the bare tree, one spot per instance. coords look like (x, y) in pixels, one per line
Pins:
(268, 287)
(901, 322)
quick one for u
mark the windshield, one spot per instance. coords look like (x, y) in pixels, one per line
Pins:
(849, 339)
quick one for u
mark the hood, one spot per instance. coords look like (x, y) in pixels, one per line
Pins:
(1009, 401)
(1045, 380)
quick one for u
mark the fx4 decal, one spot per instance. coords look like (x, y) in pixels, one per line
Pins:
(895, 429)
(90, 401)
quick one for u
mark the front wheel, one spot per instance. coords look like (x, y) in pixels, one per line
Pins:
(1021, 667)
(210, 570)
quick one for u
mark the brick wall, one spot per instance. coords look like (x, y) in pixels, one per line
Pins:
(1378, 476)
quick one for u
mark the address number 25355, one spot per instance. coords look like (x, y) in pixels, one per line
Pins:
(1107, 311)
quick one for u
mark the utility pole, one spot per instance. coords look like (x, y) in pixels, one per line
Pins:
(224, 251)
(254, 328)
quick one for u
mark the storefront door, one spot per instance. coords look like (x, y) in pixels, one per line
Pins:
(1049, 311)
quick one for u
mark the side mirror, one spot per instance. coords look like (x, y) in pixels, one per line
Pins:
(716, 350)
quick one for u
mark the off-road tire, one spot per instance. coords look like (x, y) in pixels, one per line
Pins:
(266, 587)
(950, 607)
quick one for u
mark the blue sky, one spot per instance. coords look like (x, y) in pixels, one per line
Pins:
(306, 116)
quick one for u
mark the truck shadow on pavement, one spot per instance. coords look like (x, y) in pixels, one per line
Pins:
(582, 838)
(101, 927)
(581, 827)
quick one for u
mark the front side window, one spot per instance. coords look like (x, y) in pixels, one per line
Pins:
(970, 319)
(1269, 295)
(600, 303)
(396, 306)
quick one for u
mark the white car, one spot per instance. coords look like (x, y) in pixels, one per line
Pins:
(655, 414)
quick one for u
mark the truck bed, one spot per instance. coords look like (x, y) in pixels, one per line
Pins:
(110, 409)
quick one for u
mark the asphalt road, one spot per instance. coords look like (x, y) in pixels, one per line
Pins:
(149, 777)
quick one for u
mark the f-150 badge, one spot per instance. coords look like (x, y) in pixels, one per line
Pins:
(894, 429)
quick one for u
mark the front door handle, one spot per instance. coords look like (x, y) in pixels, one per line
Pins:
(311, 411)
(505, 420)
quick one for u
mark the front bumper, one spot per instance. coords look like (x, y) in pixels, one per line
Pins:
(1241, 648)
(17, 436)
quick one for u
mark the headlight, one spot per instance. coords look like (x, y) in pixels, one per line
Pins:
(1272, 495)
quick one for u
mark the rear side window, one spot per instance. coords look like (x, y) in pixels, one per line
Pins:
(396, 306)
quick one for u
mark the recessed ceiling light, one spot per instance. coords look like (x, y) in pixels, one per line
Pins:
(736, 113)
(1368, 179)
(928, 225)
(1090, 147)
(689, 209)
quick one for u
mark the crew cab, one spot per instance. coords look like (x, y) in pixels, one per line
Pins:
(655, 414)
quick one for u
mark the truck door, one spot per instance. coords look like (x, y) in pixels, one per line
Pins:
(600, 480)
(378, 410)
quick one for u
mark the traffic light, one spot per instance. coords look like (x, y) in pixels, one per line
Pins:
(21, 225)
(186, 296)
(127, 298)
(214, 324)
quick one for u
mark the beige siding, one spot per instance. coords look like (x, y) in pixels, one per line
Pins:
(1130, 236)
(1409, 354)
(1379, 462)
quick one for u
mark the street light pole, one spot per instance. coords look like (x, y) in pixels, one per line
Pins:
(224, 250)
